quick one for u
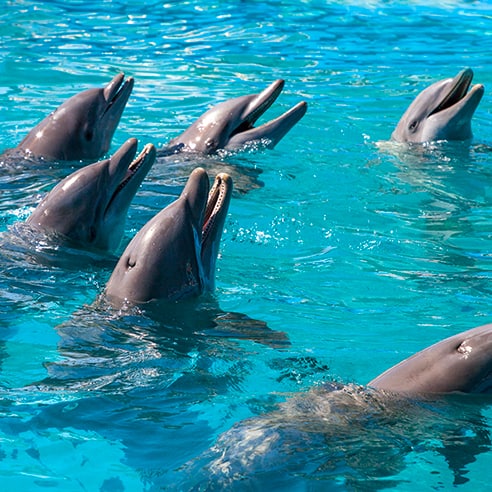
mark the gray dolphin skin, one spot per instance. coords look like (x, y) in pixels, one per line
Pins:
(173, 256)
(229, 125)
(89, 207)
(443, 111)
(83, 126)
(461, 363)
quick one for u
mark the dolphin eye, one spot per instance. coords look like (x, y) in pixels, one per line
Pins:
(413, 125)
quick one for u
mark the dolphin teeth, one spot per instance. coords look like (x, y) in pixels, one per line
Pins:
(214, 203)
(134, 166)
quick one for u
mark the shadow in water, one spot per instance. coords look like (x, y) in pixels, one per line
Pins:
(178, 167)
(139, 381)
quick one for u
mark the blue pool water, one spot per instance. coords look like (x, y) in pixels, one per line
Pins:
(362, 255)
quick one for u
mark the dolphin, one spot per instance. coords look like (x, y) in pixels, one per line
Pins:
(173, 256)
(171, 262)
(89, 207)
(229, 125)
(461, 363)
(360, 433)
(442, 111)
(82, 127)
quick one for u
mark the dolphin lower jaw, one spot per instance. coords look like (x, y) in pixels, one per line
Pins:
(464, 107)
(217, 203)
(117, 93)
(216, 210)
(269, 133)
(454, 122)
(459, 87)
(138, 168)
(260, 105)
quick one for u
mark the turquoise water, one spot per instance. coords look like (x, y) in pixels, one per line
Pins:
(361, 254)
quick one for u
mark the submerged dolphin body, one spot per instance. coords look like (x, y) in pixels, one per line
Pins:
(229, 125)
(363, 434)
(82, 127)
(173, 256)
(461, 363)
(89, 207)
(442, 111)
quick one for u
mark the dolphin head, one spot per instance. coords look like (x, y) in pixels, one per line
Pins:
(229, 125)
(83, 126)
(173, 256)
(89, 207)
(461, 363)
(443, 111)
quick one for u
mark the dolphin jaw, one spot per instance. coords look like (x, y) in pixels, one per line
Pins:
(117, 90)
(217, 203)
(257, 106)
(262, 102)
(459, 87)
(270, 133)
(214, 217)
(458, 100)
(135, 166)
(138, 166)
(454, 122)
(457, 105)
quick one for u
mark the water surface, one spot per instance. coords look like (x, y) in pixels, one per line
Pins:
(360, 254)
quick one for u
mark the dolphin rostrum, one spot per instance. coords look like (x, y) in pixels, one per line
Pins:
(229, 125)
(82, 127)
(442, 111)
(89, 207)
(173, 256)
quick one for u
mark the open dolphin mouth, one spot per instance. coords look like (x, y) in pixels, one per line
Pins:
(147, 154)
(214, 214)
(260, 104)
(458, 91)
(135, 172)
(230, 124)
(118, 91)
(217, 205)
